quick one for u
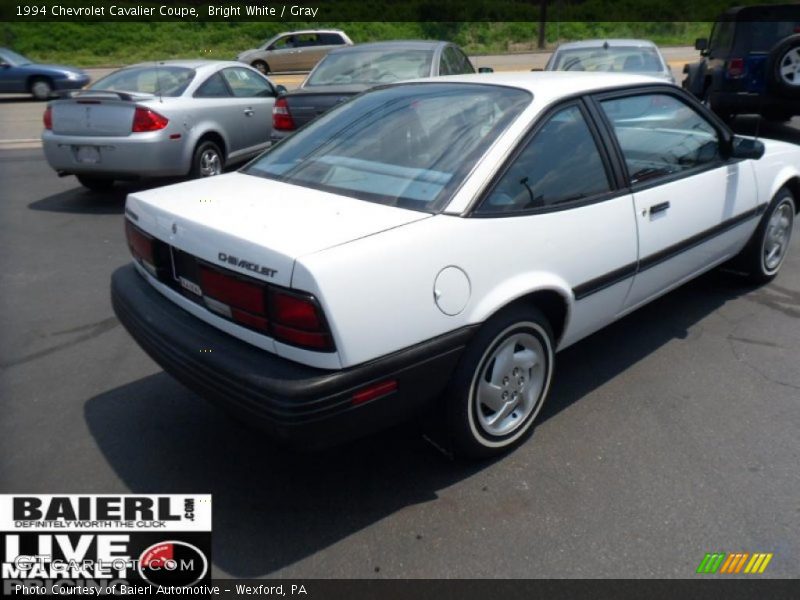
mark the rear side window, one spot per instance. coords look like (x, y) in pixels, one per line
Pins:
(159, 80)
(214, 87)
(330, 39)
(660, 135)
(561, 164)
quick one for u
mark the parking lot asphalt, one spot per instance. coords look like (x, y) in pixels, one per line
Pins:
(21, 116)
(672, 433)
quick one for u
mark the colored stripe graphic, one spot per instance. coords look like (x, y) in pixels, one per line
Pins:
(734, 563)
(711, 562)
(758, 563)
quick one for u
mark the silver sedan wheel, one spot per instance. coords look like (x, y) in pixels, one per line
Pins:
(210, 163)
(510, 384)
(790, 67)
(778, 234)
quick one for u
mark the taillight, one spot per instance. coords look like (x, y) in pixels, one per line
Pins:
(297, 320)
(48, 118)
(145, 119)
(141, 245)
(234, 292)
(281, 117)
(735, 68)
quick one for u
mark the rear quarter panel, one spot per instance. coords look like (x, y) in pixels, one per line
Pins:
(378, 292)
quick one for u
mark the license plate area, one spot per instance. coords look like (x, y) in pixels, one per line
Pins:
(185, 274)
(87, 155)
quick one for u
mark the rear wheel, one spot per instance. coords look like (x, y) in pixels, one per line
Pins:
(96, 184)
(261, 66)
(500, 383)
(207, 160)
(764, 254)
(41, 88)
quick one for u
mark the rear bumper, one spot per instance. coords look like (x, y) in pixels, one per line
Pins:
(130, 157)
(293, 402)
(753, 103)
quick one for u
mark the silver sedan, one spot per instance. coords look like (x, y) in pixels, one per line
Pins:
(161, 119)
(611, 56)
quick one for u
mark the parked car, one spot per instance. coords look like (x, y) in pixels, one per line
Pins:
(351, 70)
(162, 119)
(611, 56)
(751, 64)
(295, 50)
(439, 241)
(20, 75)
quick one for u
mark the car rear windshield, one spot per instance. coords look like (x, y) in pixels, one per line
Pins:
(619, 59)
(371, 67)
(158, 80)
(409, 145)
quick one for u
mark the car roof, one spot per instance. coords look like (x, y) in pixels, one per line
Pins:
(548, 86)
(188, 64)
(392, 45)
(612, 43)
(762, 12)
(302, 31)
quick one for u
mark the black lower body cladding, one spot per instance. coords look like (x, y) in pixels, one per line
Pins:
(294, 403)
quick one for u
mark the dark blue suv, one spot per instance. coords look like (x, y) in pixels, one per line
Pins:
(751, 63)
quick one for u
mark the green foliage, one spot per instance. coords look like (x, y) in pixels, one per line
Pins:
(125, 42)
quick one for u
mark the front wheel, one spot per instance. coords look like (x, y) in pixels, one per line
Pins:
(261, 66)
(765, 252)
(41, 89)
(500, 383)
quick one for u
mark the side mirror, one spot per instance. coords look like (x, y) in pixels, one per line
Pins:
(485, 70)
(742, 147)
(701, 44)
(280, 89)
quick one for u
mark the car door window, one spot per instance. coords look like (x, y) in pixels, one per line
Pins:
(306, 40)
(247, 84)
(561, 164)
(446, 67)
(661, 136)
(463, 65)
(213, 87)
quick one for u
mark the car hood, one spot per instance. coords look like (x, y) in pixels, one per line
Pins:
(258, 221)
(62, 69)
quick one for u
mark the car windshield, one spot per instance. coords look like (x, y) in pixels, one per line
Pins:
(13, 58)
(408, 146)
(158, 80)
(619, 59)
(371, 67)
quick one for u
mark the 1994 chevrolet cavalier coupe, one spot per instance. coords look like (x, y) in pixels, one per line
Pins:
(440, 240)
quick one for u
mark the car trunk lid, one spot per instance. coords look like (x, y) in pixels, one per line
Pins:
(96, 113)
(306, 104)
(255, 226)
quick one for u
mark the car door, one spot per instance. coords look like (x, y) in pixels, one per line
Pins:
(214, 104)
(12, 78)
(281, 54)
(693, 207)
(253, 98)
(308, 52)
(566, 217)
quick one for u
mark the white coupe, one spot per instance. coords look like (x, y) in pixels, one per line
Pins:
(435, 243)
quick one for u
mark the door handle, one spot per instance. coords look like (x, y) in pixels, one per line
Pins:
(248, 112)
(660, 207)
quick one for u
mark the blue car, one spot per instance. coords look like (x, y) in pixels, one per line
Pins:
(19, 75)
